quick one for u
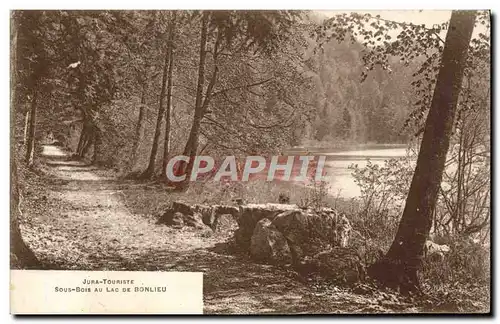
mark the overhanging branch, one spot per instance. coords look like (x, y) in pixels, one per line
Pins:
(242, 86)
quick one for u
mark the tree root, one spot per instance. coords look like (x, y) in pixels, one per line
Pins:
(396, 275)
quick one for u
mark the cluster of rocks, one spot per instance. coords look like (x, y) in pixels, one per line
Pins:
(313, 241)
(218, 218)
(316, 240)
(282, 233)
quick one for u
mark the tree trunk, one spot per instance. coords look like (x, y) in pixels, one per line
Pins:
(96, 139)
(30, 141)
(138, 127)
(86, 137)
(148, 173)
(81, 140)
(195, 128)
(166, 145)
(457, 216)
(26, 127)
(398, 268)
(21, 256)
(201, 104)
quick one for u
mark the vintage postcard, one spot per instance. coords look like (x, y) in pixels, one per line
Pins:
(250, 162)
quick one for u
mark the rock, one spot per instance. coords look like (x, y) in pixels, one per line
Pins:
(240, 238)
(182, 208)
(207, 213)
(171, 218)
(201, 216)
(291, 221)
(251, 214)
(341, 265)
(307, 233)
(180, 214)
(194, 220)
(268, 244)
(208, 218)
(210, 214)
(293, 224)
(330, 227)
(224, 223)
(231, 210)
(177, 220)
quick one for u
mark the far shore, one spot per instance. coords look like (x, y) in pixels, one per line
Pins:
(339, 147)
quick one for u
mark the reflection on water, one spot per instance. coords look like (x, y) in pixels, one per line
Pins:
(381, 153)
(337, 164)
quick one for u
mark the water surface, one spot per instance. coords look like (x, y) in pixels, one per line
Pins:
(339, 176)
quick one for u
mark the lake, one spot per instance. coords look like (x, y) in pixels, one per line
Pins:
(339, 177)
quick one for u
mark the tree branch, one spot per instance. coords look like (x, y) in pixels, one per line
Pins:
(242, 86)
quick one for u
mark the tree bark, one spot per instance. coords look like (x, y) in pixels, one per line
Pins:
(195, 127)
(398, 268)
(199, 89)
(148, 173)
(202, 102)
(138, 127)
(21, 256)
(26, 127)
(97, 141)
(30, 140)
(166, 145)
(87, 136)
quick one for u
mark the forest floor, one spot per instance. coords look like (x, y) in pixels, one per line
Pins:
(77, 216)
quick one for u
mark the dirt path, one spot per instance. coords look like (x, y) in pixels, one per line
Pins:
(84, 221)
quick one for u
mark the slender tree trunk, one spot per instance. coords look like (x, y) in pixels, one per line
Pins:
(80, 140)
(399, 266)
(21, 256)
(26, 127)
(192, 142)
(161, 109)
(202, 102)
(166, 145)
(199, 89)
(96, 136)
(457, 221)
(86, 137)
(138, 127)
(13, 81)
(30, 144)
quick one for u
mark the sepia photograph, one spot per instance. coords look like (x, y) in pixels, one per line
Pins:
(250, 162)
